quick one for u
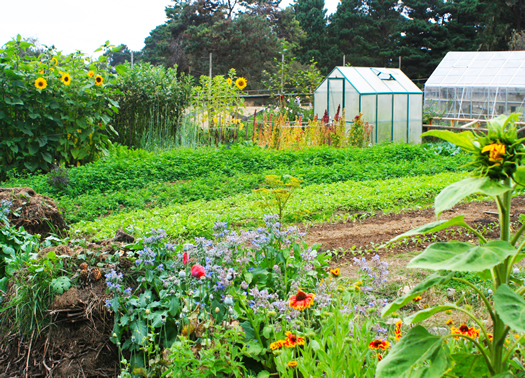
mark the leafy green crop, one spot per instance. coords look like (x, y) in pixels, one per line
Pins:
(318, 201)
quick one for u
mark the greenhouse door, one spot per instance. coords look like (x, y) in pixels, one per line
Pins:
(336, 96)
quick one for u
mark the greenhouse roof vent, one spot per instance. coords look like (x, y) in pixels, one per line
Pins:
(382, 75)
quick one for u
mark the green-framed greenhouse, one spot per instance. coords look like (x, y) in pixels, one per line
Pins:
(388, 99)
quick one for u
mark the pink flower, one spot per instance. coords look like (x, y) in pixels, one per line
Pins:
(197, 271)
(185, 258)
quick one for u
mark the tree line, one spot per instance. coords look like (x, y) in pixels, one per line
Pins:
(252, 36)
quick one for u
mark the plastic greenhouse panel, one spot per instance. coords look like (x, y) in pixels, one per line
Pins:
(384, 118)
(335, 96)
(321, 99)
(415, 122)
(351, 102)
(400, 118)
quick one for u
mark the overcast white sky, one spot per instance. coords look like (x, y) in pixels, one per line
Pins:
(85, 25)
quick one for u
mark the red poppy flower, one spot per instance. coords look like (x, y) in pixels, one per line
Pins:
(301, 300)
(185, 258)
(198, 271)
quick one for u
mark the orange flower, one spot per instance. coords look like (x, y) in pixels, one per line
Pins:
(450, 322)
(465, 330)
(292, 364)
(491, 336)
(379, 344)
(335, 272)
(398, 330)
(496, 151)
(379, 357)
(417, 299)
(292, 340)
(276, 345)
(301, 300)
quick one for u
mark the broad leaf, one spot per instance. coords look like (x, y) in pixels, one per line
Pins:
(410, 356)
(519, 175)
(510, 308)
(454, 193)
(427, 313)
(434, 279)
(463, 257)
(139, 330)
(431, 227)
(462, 140)
(469, 365)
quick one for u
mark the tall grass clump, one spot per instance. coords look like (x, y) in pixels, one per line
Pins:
(152, 103)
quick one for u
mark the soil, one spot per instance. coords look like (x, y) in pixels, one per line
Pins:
(38, 214)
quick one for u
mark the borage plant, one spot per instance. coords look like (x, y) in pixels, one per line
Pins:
(498, 171)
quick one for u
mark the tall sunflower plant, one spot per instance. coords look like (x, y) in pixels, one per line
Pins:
(499, 169)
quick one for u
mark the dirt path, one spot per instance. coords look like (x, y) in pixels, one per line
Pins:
(364, 236)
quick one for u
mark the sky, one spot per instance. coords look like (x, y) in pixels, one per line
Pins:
(85, 25)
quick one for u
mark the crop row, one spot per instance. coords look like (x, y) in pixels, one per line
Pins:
(125, 169)
(314, 202)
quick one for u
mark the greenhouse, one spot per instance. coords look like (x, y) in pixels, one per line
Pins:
(388, 99)
(477, 85)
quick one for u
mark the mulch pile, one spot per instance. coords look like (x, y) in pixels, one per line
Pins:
(38, 214)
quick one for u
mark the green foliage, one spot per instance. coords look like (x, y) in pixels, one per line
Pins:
(15, 245)
(491, 260)
(360, 133)
(313, 202)
(38, 280)
(152, 102)
(51, 110)
(277, 196)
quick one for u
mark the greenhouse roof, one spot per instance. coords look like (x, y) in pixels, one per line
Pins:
(480, 69)
(375, 80)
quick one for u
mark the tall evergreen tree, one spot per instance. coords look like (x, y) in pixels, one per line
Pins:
(311, 15)
(367, 31)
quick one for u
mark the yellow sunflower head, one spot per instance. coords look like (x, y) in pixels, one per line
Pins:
(54, 61)
(241, 83)
(65, 78)
(99, 80)
(40, 83)
(91, 73)
(229, 81)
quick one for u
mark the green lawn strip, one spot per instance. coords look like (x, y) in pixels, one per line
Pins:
(318, 201)
(125, 170)
(90, 206)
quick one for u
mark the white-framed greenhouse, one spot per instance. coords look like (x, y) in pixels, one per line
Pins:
(477, 84)
(388, 99)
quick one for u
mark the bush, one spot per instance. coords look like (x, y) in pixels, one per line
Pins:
(54, 108)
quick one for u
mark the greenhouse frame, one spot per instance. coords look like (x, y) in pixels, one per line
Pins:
(388, 99)
(477, 85)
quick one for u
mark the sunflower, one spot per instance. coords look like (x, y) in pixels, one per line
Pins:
(229, 81)
(496, 152)
(379, 344)
(99, 80)
(241, 83)
(65, 78)
(54, 61)
(292, 364)
(40, 83)
(335, 272)
(91, 73)
(301, 300)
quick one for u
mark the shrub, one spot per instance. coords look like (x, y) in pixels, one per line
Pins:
(54, 108)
